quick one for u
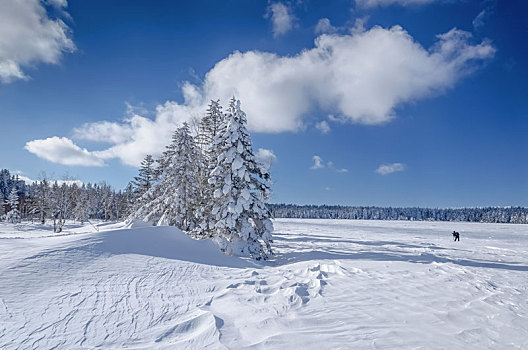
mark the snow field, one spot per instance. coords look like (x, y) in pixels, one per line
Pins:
(332, 284)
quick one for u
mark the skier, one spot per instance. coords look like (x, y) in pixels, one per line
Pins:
(456, 236)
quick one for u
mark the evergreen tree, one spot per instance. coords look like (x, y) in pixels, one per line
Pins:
(13, 216)
(2, 208)
(80, 213)
(241, 186)
(175, 197)
(42, 202)
(146, 177)
(6, 183)
(212, 124)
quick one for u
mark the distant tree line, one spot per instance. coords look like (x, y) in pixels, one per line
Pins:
(58, 201)
(512, 215)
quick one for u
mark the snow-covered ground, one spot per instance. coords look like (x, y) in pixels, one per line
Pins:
(332, 285)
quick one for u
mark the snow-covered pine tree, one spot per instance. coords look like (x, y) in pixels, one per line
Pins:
(42, 201)
(127, 200)
(241, 187)
(2, 208)
(146, 176)
(175, 196)
(211, 125)
(13, 216)
(80, 212)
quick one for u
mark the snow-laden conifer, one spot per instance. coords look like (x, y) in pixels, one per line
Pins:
(211, 125)
(13, 216)
(241, 187)
(174, 198)
(146, 176)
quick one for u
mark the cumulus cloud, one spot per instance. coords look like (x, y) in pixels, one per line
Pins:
(390, 168)
(361, 77)
(325, 27)
(318, 162)
(136, 136)
(266, 157)
(109, 132)
(63, 151)
(281, 17)
(375, 3)
(29, 36)
(323, 127)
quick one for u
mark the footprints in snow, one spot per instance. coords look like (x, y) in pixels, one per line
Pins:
(297, 286)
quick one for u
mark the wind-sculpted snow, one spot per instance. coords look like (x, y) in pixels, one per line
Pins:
(331, 285)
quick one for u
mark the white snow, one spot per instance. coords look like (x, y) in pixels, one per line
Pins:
(333, 284)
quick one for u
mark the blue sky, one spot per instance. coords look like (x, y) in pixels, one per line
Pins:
(366, 102)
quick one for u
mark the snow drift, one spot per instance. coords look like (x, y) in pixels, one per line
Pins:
(333, 284)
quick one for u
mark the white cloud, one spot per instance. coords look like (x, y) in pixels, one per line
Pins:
(478, 22)
(28, 36)
(375, 3)
(323, 127)
(63, 151)
(282, 18)
(325, 27)
(109, 132)
(137, 136)
(67, 179)
(331, 165)
(361, 77)
(57, 3)
(483, 15)
(318, 162)
(390, 168)
(28, 181)
(266, 157)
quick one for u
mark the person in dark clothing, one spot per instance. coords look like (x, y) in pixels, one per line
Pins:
(456, 236)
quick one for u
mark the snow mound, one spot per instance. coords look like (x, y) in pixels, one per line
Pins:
(138, 224)
(162, 241)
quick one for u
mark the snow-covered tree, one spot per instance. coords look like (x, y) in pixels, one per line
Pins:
(211, 125)
(2, 208)
(241, 187)
(146, 176)
(80, 213)
(174, 198)
(13, 216)
(42, 201)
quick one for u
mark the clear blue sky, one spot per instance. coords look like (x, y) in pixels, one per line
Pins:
(406, 116)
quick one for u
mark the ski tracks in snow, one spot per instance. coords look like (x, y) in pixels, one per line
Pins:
(331, 285)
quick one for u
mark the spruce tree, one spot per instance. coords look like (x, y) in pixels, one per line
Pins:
(241, 186)
(42, 203)
(2, 208)
(146, 177)
(212, 124)
(13, 216)
(174, 199)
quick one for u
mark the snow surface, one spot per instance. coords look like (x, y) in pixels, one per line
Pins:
(333, 284)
